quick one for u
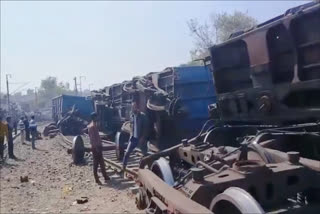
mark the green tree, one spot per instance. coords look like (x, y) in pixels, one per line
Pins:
(218, 30)
(50, 88)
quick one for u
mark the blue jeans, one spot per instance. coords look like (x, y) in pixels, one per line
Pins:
(133, 143)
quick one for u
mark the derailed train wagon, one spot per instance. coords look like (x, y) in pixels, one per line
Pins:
(64, 103)
(71, 113)
(262, 155)
(175, 100)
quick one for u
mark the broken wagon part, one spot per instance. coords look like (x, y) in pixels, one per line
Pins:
(64, 104)
(49, 128)
(262, 155)
(174, 201)
(268, 176)
(72, 123)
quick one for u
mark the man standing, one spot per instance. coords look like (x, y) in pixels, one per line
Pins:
(139, 134)
(3, 133)
(15, 125)
(27, 130)
(10, 138)
(22, 129)
(96, 147)
(33, 131)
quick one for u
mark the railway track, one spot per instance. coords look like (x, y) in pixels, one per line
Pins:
(109, 156)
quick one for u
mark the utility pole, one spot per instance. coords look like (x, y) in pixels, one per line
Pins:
(36, 98)
(90, 86)
(75, 85)
(0, 88)
(8, 94)
(81, 84)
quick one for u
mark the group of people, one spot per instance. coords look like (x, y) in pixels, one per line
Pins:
(26, 128)
(139, 122)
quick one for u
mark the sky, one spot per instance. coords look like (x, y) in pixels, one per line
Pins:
(105, 41)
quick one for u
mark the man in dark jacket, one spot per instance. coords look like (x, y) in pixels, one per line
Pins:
(26, 126)
(10, 138)
(140, 131)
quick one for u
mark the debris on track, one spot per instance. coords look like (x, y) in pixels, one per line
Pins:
(55, 184)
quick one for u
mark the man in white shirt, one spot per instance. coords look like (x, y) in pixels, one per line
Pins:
(21, 127)
(33, 131)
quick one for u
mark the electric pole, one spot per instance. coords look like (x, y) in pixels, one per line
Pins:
(36, 98)
(81, 84)
(90, 86)
(8, 94)
(75, 85)
(0, 89)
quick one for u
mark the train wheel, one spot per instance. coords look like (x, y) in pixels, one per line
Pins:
(121, 140)
(162, 169)
(142, 200)
(77, 150)
(235, 200)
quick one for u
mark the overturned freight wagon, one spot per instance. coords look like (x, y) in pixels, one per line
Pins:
(175, 100)
(263, 155)
(71, 113)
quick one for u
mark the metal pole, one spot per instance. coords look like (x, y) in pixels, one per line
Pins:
(75, 85)
(8, 94)
(90, 86)
(0, 87)
(36, 98)
(81, 84)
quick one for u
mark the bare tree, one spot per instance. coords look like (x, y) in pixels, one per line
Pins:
(219, 29)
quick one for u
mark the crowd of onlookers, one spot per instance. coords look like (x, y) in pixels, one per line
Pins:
(26, 127)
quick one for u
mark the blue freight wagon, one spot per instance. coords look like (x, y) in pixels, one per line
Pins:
(175, 100)
(193, 90)
(64, 103)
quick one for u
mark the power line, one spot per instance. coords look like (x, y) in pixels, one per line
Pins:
(21, 87)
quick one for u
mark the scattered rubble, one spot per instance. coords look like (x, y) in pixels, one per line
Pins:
(51, 189)
(24, 179)
(82, 200)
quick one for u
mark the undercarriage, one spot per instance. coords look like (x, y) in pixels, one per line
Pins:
(276, 170)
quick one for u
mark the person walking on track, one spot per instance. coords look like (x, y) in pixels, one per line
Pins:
(3, 134)
(21, 127)
(33, 131)
(96, 146)
(140, 127)
(10, 138)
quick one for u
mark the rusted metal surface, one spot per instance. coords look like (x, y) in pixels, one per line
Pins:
(270, 75)
(273, 166)
(263, 155)
(174, 200)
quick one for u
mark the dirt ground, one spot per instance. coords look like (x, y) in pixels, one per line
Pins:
(55, 184)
